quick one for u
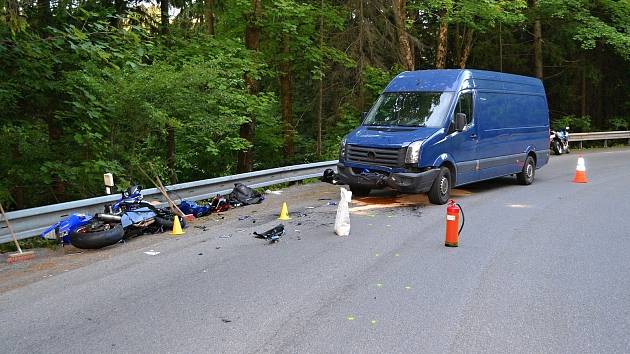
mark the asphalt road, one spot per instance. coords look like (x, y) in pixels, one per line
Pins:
(540, 268)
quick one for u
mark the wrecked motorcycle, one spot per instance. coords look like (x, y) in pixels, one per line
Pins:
(559, 141)
(128, 217)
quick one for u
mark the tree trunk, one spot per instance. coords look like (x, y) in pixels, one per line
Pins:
(468, 39)
(121, 8)
(164, 17)
(170, 154)
(440, 52)
(400, 17)
(44, 15)
(320, 104)
(583, 96)
(361, 65)
(209, 20)
(17, 191)
(537, 32)
(247, 131)
(55, 132)
(286, 99)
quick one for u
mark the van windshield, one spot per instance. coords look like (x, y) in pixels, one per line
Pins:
(411, 109)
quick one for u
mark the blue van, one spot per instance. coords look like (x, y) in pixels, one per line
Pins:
(433, 129)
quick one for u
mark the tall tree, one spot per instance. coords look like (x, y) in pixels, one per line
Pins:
(537, 34)
(286, 97)
(442, 37)
(164, 16)
(320, 98)
(209, 16)
(400, 18)
(252, 42)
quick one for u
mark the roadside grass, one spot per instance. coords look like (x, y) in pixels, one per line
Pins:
(598, 145)
(29, 243)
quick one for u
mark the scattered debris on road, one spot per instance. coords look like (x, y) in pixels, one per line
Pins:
(190, 207)
(244, 195)
(330, 176)
(273, 235)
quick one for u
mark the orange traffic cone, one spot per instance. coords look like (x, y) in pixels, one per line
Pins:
(580, 172)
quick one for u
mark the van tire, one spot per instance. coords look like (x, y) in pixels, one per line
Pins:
(358, 191)
(526, 176)
(440, 191)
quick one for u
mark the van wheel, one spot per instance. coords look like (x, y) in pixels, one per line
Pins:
(526, 176)
(358, 191)
(440, 190)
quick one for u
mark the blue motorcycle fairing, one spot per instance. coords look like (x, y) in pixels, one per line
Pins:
(62, 229)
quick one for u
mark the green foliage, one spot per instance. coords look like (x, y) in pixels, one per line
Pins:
(576, 124)
(91, 88)
(620, 123)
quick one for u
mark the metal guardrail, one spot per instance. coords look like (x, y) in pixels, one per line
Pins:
(605, 136)
(30, 222)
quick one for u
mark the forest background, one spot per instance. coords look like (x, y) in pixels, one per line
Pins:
(193, 89)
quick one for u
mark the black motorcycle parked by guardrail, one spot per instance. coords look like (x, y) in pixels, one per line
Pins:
(559, 141)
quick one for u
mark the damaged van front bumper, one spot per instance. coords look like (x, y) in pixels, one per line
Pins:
(405, 182)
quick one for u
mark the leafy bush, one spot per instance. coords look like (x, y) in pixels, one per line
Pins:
(620, 123)
(577, 124)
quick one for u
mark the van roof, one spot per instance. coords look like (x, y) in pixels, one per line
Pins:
(454, 79)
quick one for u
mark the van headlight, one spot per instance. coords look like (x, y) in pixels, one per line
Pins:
(342, 149)
(413, 152)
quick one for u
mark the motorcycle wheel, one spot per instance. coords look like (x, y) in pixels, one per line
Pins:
(556, 148)
(96, 235)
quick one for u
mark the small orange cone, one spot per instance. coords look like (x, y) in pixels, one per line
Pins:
(580, 172)
(284, 212)
(177, 227)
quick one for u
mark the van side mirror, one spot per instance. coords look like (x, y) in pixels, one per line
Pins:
(363, 116)
(460, 121)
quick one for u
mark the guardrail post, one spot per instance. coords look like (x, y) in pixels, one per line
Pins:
(580, 144)
(605, 143)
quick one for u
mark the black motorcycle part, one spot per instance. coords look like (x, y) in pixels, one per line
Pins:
(168, 222)
(244, 195)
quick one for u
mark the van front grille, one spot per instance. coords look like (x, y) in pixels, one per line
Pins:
(376, 156)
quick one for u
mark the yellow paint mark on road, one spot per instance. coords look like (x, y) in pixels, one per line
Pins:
(350, 318)
(373, 322)
(397, 255)
(379, 285)
(407, 287)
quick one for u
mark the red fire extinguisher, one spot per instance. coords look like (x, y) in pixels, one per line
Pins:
(452, 224)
